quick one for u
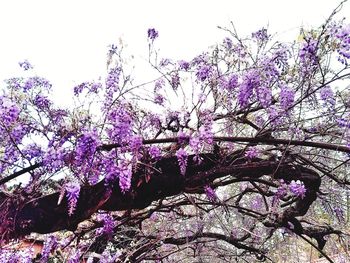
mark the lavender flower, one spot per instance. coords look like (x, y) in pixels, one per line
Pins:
(155, 152)
(252, 153)
(49, 245)
(72, 193)
(210, 193)
(182, 156)
(184, 65)
(261, 36)
(152, 34)
(25, 65)
(108, 225)
(297, 188)
(125, 175)
(286, 97)
(204, 72)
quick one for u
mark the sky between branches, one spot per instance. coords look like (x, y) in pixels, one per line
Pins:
(67, 41)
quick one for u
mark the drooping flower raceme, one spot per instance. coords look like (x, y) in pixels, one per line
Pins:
(72, 193)
(210, 193)
(182, 157)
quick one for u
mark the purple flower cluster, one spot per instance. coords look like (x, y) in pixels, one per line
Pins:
(49, 245)
(121, 124)
(72, 194)
(86, 146)
(308, 55)
(210, 193)
(125, 175)
(250, 82)
(327, 96)
(228, 43)
(175, 81)
(152, 34)
(108, 225)
(184, 65)
(261, 36)
(297, 188)
(182, 157)
(155, 152)
(343, 49)
(204, 72)
(94, 87)
(34, 82)
(42, 102)
(252, 153)
(25, 65)
(286, 97)
(9, 112)
(54, 159)
(112, 81)
(264, 96)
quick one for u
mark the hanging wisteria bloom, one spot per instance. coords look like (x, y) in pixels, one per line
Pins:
(49, 245)
(210, 193)
(125, 175)
(182, 156)
(72, 193)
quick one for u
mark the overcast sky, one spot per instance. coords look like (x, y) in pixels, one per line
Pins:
(67, 40)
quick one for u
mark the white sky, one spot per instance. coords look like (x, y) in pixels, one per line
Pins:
(67, 40)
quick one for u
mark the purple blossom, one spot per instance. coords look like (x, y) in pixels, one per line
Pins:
(49, 245)
(297, 188)
(125, 175)
(164, 62)
(210, 193)
(155, 152)
(121, 124)
(112, 81)
(182, 156)
(152, 34)
(308, 56)
(86, 146)
(343, 37)
(250, 82)
(36, 81)
(252, 153)
(159, 84)
(182, 137)
(286, 97)
(108, 225)
(261, 36)
(135, 143)
(32, 151)
(204, 72)
(25, 65)
(42, 102)
(327, 96)
(72, 194)
(228, 43)
(184, 65)
(74, 257)
(9, 112)
(264, 96)
(54, 159)
(280, 193)
(175, 81)
(159, 99)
